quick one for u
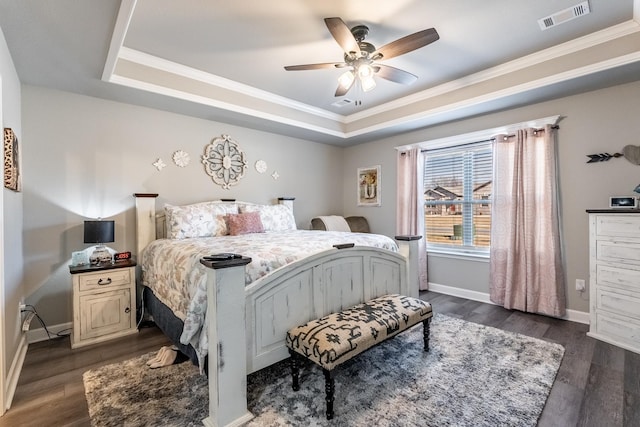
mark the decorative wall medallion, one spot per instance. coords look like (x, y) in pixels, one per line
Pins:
(181, 158)
(261, 166)
(275, 175)
(159, 164)
(224, 161)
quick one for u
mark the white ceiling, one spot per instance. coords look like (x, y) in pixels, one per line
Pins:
(224, 60)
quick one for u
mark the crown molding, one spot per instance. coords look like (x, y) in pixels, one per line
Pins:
(503, 93)
(216, 81)
(125, 13)
(555, 52)
(174, 93)
(118, 51)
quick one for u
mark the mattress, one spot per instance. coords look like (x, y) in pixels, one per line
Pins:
(171, 268)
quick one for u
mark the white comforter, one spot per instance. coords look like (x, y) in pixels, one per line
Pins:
(172, 269)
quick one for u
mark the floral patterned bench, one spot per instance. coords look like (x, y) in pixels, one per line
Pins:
(338, 337)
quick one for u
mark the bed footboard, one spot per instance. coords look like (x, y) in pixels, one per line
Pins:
(247, 325)
(328, 282)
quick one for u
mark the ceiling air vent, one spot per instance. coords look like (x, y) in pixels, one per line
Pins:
(564, 15)
(342, 102)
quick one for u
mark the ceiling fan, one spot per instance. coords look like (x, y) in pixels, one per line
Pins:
(361, 57)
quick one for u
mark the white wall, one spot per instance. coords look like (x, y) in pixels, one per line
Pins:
(11, 266)
(86, 157)
(600, 121)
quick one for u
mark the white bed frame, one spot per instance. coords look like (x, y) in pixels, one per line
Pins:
(248, 324)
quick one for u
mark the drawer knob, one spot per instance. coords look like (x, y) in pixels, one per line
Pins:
(127, 310)
(104, 282)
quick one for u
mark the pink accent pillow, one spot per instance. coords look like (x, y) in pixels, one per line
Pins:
(244, 223)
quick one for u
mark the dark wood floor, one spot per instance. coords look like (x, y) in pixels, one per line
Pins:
(50, 390)
(598, 384)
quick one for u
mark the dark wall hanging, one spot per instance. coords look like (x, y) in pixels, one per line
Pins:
(629, 152)
(12, 179)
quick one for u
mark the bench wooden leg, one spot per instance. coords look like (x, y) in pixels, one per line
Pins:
(295, 370)
(330, 388)
(425, 333)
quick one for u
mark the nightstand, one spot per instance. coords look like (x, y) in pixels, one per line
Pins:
(104, 302)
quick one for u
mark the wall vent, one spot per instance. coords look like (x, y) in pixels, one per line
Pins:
(563, 16)
(342, 102)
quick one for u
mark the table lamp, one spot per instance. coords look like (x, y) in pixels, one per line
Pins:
(99, 232)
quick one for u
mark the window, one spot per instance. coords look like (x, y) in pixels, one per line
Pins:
(457, 197)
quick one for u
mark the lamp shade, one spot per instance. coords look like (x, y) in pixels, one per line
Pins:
(98, 231)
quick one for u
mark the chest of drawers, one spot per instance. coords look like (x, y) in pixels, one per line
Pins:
(614, 278)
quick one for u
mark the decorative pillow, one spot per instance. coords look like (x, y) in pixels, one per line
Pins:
(244, 223)
(204, 219)
(274, 217)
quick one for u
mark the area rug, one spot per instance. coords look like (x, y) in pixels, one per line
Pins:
(473, 375)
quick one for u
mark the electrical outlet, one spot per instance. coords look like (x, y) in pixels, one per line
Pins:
(27, 321)
(580, 285)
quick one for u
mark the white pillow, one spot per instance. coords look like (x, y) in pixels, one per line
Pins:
(273, 217)
(206, 219)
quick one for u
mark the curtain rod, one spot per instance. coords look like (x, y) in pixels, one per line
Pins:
(402, 153)
(536, 130)
(481, 134)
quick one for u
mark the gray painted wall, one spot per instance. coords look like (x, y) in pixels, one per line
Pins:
(86, 157)
(11, 216)
(601, 121)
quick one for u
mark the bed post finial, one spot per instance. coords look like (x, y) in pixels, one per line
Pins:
(287, 201)
(145, 220)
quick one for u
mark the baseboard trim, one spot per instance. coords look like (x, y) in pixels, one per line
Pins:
(571, 315)
(40, 334)
(460, 292)
(15, 370)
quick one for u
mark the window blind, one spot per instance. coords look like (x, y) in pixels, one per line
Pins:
(457, 184)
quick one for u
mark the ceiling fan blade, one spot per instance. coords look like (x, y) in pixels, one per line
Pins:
(394, 74)
(341, 90)
(315, 66)
(406, 44)
(342, 34)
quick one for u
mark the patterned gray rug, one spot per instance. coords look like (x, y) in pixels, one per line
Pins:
(473, 376)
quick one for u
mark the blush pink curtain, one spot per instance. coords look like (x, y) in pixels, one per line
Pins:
(526, 271)
(410, 205)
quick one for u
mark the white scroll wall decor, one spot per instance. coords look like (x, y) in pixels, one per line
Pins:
(224, 161)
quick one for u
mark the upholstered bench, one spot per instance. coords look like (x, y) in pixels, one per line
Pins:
(338, 337)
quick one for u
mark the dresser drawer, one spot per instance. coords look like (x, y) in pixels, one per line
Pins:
(618, 252)
(622, 278)
(619, 329)
(618, 225)
(105, 279)
(618, 303)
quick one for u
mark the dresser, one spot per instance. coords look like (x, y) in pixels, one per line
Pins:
(104, 302)
(614, 276)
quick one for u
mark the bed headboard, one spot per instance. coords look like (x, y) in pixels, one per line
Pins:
(151, 224)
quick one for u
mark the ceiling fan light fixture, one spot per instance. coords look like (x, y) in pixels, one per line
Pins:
(368, 83)
(365, 71)
(359, 56)
(346, 79)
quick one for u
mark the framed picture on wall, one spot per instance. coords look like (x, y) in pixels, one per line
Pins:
(369, 186)
(11, 161)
